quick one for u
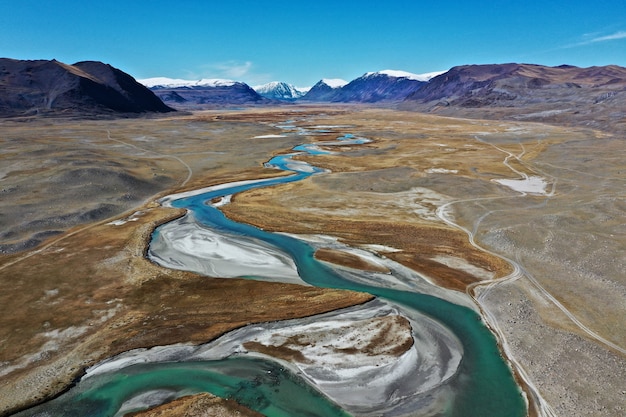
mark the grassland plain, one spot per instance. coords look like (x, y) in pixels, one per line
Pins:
(84, 291)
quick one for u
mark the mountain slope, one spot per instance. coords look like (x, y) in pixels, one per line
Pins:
(52, 87)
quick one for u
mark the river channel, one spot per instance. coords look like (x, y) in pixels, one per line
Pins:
(479, 383)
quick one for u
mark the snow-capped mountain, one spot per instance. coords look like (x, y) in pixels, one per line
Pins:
(325, 89)
(403, 74)
(202, 94)
(387, 85)
(277, 90)
(381, 86)
(164, 82)
(334, 82)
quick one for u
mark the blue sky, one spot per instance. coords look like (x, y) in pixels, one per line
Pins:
(301, 42)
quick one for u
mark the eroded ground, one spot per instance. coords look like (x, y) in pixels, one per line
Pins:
(87, 292)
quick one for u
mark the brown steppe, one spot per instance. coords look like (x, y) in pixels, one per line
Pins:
(87, 292)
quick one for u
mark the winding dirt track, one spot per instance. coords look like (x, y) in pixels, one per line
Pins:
(90, 226)
(189, 170)
(519, 272)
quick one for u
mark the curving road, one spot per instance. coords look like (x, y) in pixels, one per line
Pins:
(519, 272)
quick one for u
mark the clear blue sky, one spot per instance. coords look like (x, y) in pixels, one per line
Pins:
(301, 42)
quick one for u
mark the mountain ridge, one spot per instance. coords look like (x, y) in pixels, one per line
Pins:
(204, 93)
(593, 96)
(371, 87)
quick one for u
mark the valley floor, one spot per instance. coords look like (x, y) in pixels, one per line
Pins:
(527, 218)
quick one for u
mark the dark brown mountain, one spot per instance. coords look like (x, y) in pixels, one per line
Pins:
(85, 88)
(594, 96)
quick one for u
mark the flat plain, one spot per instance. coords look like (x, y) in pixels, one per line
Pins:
(527, 218)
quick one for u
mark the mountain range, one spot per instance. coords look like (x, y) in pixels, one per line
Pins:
(373, 87)
(204, 93)
(54, 88)
(594, 96)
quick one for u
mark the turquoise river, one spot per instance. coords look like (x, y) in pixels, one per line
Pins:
(483, 385)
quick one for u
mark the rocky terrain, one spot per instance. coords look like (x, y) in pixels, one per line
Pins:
(85, 88)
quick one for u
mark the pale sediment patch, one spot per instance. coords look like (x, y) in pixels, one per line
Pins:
(167, 200)
(418, 201)
(528, 185)
(55, 339)
(132, 218)
(268, 136)
(186, 245)
(350, 259)
(441, 171)
(462, 264)
(371, 359)
(223, 201)
(397, 276)
(379, 248)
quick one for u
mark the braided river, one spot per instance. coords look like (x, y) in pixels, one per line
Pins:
(453, 366)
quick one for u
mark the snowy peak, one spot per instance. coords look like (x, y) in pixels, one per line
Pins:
(334, 82)
(278, 90)
(203, 94)
(372, 87)
(404, 74)
(325, 90)
(164, 82)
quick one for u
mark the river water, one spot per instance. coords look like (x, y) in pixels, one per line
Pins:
(483, 384)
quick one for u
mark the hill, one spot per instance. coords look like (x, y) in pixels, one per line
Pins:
(594, 96)
(85, 88)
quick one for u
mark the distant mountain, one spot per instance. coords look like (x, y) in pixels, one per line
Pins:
(89, 87)
(594, 96)
(325, 90)
(204, 93)
(371, 87)
(385, 85)
(277, 90)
